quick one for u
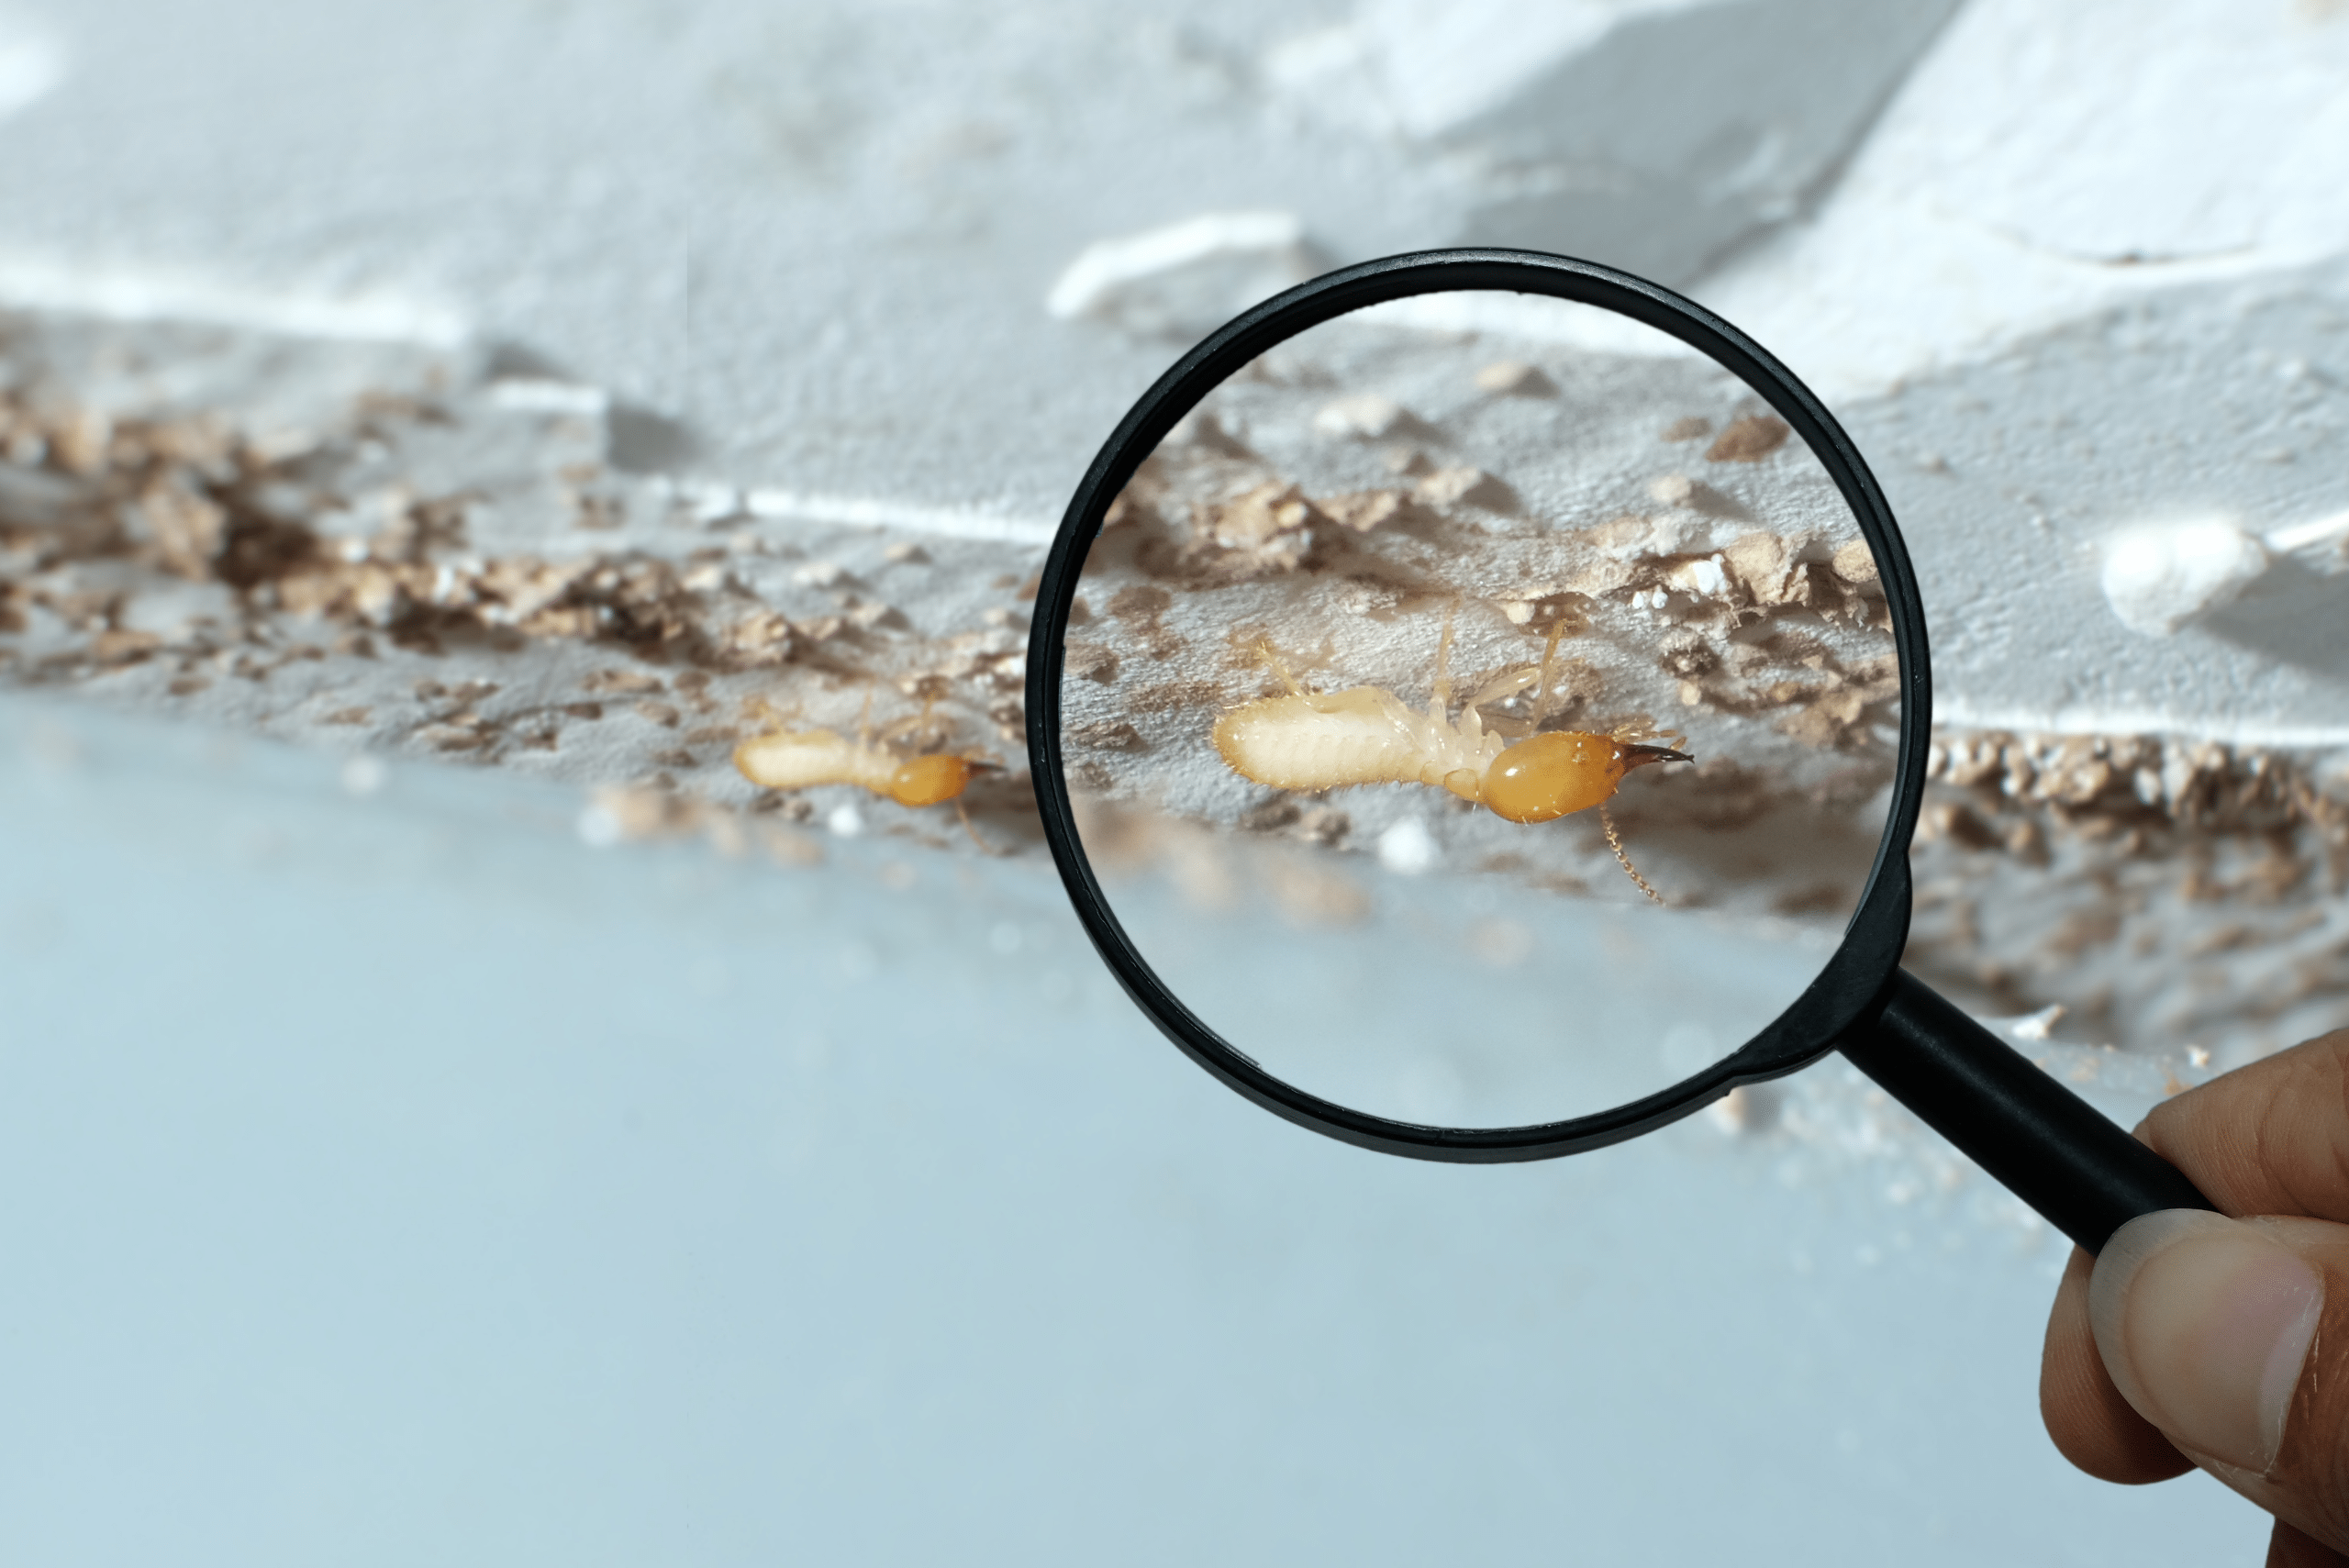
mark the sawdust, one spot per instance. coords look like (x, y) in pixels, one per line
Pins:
(2161, 887)
(187, 558)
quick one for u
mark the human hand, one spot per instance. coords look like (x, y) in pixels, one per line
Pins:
(2197, 1340)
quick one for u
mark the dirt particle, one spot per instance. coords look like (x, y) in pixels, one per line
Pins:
(1749, 440)
(1770, 570)
(1140, 608)
(1256, 519)
(1600, 578)
(1956, 822)
(620, 683)
(1854, 563)
(1174, 697)
(1271, 816)
(1363, 510)
(762, 637)
(1464, 486)
(1113, 735)
(1514, 378)
(470, 737)
(1090, 662)
(1324, 824)
(1822, 719)
(117, 648)
(1140, 601)
(1409, 461)
(1367, 414)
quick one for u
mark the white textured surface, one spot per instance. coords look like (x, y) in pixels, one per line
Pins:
(2088, 275)
(1655, 134)
(2082, 271)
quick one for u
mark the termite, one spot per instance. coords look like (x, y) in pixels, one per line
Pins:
(796, 759)
(1313, 740)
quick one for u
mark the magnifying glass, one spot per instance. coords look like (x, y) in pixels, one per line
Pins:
(1478, 704)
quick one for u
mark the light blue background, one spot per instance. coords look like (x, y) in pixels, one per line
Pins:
(394, 1180)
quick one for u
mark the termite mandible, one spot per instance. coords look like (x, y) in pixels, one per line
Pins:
(1312, 740)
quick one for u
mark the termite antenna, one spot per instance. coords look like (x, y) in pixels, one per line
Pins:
(1549, 669)
(1614, 842)
(1443, 663)
(971, 829)
(1270, 655)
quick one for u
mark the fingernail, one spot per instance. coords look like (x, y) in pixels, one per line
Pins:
(2204, 1322)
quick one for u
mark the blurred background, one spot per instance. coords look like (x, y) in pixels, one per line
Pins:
(446, 1115)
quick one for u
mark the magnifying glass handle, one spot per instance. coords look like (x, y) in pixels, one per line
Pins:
(2049, 1147)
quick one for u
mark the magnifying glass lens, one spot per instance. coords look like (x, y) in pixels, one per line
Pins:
(1480, 711)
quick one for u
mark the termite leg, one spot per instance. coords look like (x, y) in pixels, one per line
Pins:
(1442, 706)
(1614, 842)
(905, 725)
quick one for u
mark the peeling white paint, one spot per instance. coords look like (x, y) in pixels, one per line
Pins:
(2158, 579)
(1186, 278)
(168, 292)
(870, 511)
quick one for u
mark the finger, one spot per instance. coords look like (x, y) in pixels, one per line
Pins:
(2232, 1337)
(2092, 1425)
(2289, 1548)
(2271, 1137)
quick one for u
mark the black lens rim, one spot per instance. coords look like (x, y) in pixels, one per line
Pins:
(1852, 981)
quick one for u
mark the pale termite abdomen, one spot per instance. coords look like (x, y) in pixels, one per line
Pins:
(1314, 742)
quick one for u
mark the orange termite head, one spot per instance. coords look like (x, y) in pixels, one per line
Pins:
(926, 781)
(1565, 771)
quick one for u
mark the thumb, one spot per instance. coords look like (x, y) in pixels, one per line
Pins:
(2213, 1330)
